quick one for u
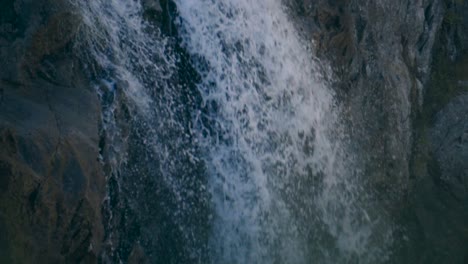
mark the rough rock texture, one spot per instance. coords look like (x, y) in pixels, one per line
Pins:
(381, 52)
(435, 215)
(146, 221)
(401, 67)
(450, 147)
(51, 183)
(438, 205)
(398, 63)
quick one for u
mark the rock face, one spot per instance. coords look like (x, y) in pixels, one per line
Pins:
(437, 205)
(450, 146)
(398, 63)
(51, 182)
(401, 68)
(380, 52)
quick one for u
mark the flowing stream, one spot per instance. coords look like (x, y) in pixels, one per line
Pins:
(224, 138)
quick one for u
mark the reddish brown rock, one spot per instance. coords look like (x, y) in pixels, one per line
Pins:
(51, 182)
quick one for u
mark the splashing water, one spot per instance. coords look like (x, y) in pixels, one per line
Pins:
(277, 165)
(145, 119)
(283, 187)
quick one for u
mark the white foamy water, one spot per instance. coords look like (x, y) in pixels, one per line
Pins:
(284, 188)
(123, 43)
(280, 178)
(135, 71)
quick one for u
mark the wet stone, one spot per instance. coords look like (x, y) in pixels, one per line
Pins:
(74, 179)
(5, 175)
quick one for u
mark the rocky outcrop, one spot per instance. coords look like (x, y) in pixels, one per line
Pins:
(380, 52)
(449, 138)
(400, 67)
(398, 63)
(51, 181)
(437, 206)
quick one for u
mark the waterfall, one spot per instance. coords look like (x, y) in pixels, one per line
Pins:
(278, 169)
(156, 190)
(252, 146)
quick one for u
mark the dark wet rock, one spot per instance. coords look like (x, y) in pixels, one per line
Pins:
(436, 212)
(381, 52)
(155, 11)
(54, 35)
(449, 138)
(51, 182)
(440, 199)
(4, 245)
(52, 141)
(138, 256)
(152, 5)
(5, 175)
(398, 64)
(435, 224)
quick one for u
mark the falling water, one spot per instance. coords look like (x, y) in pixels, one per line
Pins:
(156, 193)
(279, 171)
(259, 157)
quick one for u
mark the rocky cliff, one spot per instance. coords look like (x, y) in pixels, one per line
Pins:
(401, 71)
(381, 52)
(51, 181)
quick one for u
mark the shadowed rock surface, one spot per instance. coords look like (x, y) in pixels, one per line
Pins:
(450, 142)
(381, 53)
(398, 64)
(51, 181)
(402, 71)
